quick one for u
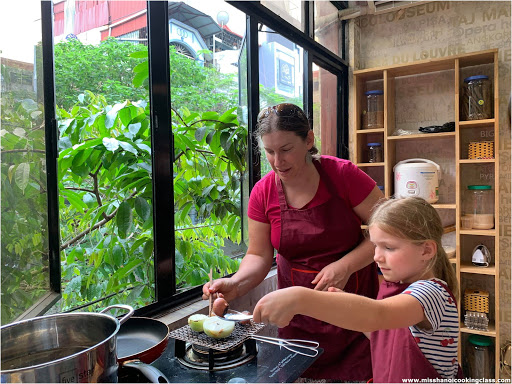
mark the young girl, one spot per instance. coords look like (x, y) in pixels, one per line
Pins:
(413, 325)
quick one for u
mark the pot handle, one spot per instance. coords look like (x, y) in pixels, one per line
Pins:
(422, 160)
(152, 374)
(120, 306)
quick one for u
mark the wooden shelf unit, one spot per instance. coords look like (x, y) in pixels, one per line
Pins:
(464, 170)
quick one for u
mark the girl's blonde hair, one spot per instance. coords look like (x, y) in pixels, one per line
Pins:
(415, 220)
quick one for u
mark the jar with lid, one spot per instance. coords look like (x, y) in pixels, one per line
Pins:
(480, 357)
(478, 208)
(373, 115)
(375, 153)
(477, 98)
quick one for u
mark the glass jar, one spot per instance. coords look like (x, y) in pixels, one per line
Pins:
(478, 212)
(480, 357)
(373, 116)
(477, 98)
(375, 153)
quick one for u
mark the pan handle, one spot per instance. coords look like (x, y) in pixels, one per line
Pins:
(154, 375)
(120, 306)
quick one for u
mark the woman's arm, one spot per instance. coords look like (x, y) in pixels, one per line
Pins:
(346, 310)
(337, 274)
(254, 266)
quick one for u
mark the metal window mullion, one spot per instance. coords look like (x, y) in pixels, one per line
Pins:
(51, 140)
(253, 99)
(342, 117)
(308, 85)
(161, 149)
(277, 24)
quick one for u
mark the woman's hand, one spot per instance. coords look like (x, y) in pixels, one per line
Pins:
(333, 275)
(225, 287)
(278, 307)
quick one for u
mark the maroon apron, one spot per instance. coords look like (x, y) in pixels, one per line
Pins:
(311, 239)
(395, 353)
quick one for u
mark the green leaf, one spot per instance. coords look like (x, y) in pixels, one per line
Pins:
(127, 269)
(128, 147)
(124, 219)
(199, 134)
(139, 54)
(125, 115)
(147, 251)
(21, 176)
(141, 67)
(110, 144)
(117, 255)
(142, 208)
(139, 78)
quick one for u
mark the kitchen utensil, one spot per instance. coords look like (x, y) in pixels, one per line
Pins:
(210, 306)
(142, 340)
(417, 177)
(233, 315)
(302, 347)
(71, 347)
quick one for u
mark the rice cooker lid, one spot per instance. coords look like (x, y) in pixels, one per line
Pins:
(417, 166)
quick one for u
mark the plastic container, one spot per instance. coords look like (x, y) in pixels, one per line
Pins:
(373, 115)
(478, 208)
(375, 154)
(477, 98)
(480, 357)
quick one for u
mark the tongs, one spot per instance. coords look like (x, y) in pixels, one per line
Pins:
(302, 347)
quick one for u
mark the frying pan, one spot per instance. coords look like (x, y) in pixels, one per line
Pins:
(140, 341)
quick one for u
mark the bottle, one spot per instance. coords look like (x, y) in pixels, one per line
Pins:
(477, 98)
(478, 207)
(375, 153)
(480, 358)
(373, 116)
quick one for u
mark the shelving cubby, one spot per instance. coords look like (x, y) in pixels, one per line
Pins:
(426, 93)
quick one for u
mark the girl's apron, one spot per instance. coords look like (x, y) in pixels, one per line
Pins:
(395, 353)
(312, 238)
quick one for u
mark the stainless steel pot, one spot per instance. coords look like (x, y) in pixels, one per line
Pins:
(62, 348)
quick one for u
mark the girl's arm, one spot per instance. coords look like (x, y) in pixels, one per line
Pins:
(337, 274)
(346, 310)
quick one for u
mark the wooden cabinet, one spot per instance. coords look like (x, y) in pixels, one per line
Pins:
(429, 93)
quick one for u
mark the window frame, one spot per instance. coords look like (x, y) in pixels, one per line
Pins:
(162, 141)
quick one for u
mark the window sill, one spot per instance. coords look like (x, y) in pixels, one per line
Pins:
(178, 316)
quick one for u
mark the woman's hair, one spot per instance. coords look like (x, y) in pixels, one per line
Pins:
(415, 220)
(284, 117)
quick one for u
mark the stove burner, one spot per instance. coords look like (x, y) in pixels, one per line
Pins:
(208, 359)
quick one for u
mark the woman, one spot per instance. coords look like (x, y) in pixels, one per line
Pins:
(309, 208)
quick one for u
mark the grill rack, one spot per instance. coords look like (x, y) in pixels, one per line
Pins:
(237, 337)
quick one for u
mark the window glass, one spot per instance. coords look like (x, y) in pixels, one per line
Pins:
(281, 72)
(289, 10)
(327, 26)
(105, 191)
(325, 110)
(210, 138)
(24, 212)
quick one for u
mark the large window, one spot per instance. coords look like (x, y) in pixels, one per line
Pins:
(24, 214)
(153, 156)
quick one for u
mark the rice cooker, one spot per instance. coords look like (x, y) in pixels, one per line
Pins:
(417, 177)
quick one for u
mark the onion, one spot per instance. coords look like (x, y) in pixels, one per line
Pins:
(217, 328)
(220, 306)
(196, 322)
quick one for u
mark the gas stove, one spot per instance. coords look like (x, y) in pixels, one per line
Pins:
(189, 358)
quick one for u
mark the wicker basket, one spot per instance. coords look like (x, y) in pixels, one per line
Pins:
(476, 300)
(481, 150)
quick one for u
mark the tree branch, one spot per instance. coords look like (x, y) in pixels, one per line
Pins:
(23, 150)
(95, 226)
(79, 189)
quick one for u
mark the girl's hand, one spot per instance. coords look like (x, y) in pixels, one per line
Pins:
(278, 307)
(333, 275)
(220, 288)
